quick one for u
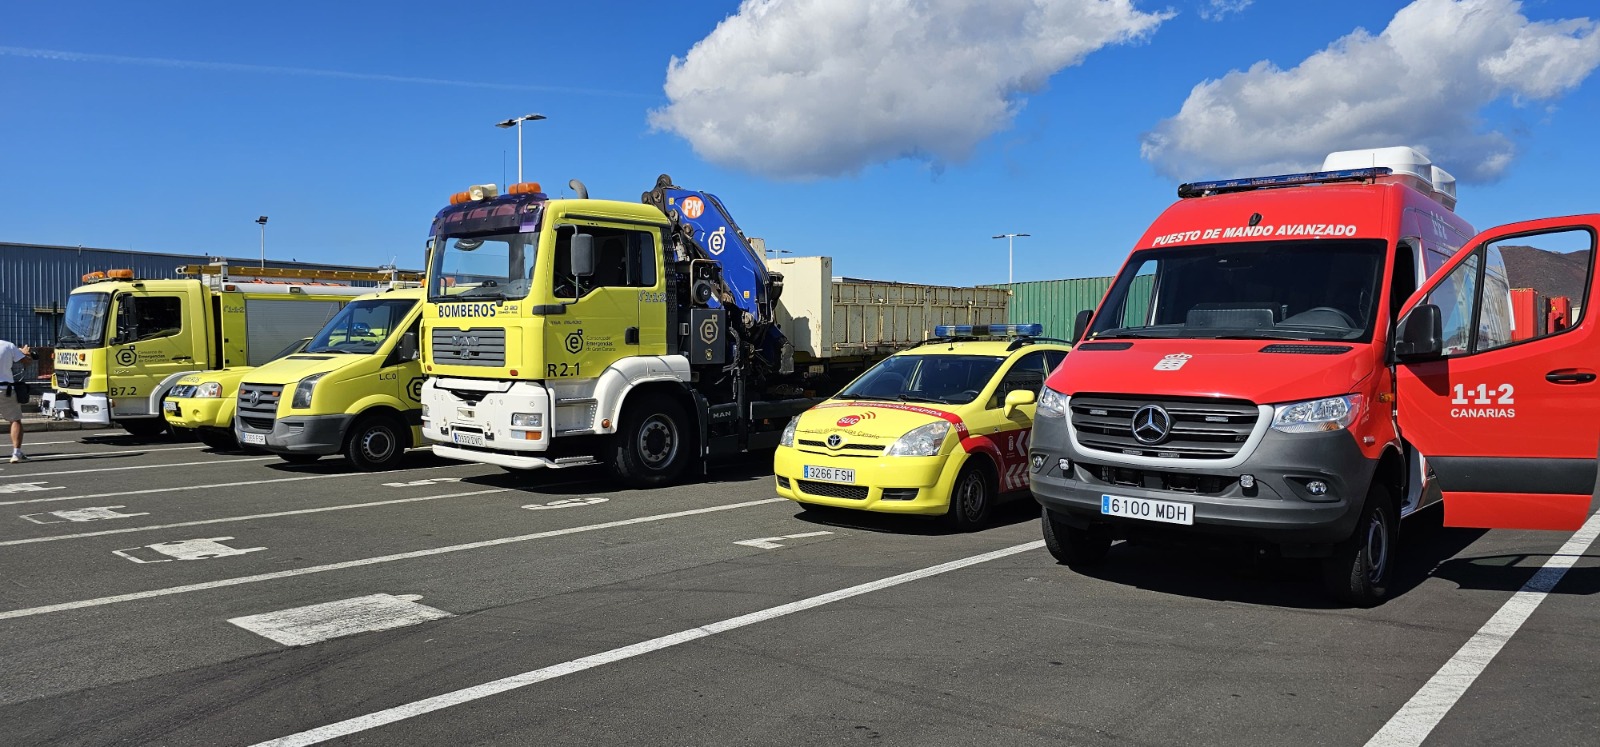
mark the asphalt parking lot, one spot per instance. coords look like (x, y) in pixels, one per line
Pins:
(162, 593)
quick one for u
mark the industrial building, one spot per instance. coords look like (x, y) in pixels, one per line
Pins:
(35, 280)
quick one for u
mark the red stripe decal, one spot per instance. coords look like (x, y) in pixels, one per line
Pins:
(949, 417)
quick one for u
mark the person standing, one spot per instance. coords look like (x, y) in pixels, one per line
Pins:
(10, 407)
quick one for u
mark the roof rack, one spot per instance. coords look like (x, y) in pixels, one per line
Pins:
(226, 272)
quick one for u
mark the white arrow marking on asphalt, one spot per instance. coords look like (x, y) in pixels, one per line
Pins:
(302, 626)
(422, 483)
(80, 514)
(567, 503)
(26, 487)
(771, 543)
(196, 549)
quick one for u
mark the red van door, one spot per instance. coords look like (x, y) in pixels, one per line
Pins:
(1507, 418)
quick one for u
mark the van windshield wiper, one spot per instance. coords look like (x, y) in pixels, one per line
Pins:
(915, 398)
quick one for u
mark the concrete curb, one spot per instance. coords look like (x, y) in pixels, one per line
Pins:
(45, 425)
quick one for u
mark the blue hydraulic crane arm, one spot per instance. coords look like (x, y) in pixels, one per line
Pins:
(712, 235)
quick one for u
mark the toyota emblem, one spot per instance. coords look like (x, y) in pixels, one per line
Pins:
(1151, 424)
(835, 441)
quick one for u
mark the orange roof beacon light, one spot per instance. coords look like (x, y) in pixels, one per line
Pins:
(93, 277)
(120, 274)
(524, 188)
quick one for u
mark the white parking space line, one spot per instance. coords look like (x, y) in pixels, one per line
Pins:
(251, 517)
(181, 488)
(303, 626)
(139, 466)
(1418, 717)
(258, 578)
(478, 692)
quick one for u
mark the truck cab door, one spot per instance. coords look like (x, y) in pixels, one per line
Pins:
(152, 341)
(601, 322)
(1503, 404)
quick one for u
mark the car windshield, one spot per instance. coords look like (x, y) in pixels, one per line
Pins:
(83, 325)
(495, 267)
(1289, 290)
(362, 326)
(936, 379)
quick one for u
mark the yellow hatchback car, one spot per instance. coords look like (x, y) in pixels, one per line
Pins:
(202, 403)
(938, 430)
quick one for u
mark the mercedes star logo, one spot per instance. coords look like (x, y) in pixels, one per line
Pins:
(835, 441)
(1151, 424)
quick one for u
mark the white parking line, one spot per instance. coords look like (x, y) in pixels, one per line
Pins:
(181, 488)
(258, 578)
(230, 519)
(138, 466)
(516, 681)
(1416, 719)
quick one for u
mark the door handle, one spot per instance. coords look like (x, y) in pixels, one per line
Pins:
(1569, 376)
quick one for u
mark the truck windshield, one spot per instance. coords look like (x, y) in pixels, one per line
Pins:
(362, 326)
(937, 379)
(83, 325)
(1289, 290)
(495, 267)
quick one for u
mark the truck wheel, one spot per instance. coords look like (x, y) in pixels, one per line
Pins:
(971, 500)
(651, 447)
(1358, 571)
(144, 427)
(375, 443)
(1076, 548)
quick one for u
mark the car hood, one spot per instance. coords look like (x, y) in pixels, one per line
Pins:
(869, 421)
(300, 365)
(1259, 371)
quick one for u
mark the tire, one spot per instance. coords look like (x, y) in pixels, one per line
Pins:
(653, 446)
(1361, 566)
(299, 458)
(971, 498)
(1073, 547)
(376, 443)
(144, 427)
(218, 440)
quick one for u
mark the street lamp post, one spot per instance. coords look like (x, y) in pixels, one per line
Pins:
(1010, 238)
(517, 122)
(262, 221)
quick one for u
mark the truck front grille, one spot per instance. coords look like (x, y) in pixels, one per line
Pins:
(71, 379)
(1200, 429)
(258, 405)
(479, 346)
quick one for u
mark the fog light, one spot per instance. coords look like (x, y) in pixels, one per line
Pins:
(1065, 465)
(1247, 481)
(1317, 487)
(1038, 462)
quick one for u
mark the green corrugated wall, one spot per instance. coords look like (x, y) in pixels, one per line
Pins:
(1056, 303)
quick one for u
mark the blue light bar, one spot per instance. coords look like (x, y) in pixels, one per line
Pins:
(1201, 189)
(988, 330)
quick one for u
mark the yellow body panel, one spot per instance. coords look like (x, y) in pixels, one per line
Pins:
(980, 429)
(206, 412)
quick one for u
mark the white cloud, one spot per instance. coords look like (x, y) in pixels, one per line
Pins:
(1216, 10)
(818, 88)
(1424, 82)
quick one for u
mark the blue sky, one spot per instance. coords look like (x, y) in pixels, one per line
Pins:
(896, 137)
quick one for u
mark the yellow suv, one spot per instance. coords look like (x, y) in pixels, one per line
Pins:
(938, 430)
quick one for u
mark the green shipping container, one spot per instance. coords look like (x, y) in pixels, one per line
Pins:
(1056, 303)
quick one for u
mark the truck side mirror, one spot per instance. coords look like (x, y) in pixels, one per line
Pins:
(1420, 335)
(407, 349)
(582, 255)
(1080, 325)
(1017, 398)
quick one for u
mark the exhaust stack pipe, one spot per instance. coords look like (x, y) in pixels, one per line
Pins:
(577, 186)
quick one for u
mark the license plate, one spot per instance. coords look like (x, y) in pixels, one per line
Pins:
(255, 438)
(170, 406)
(830, 474)
(1148, 510)
(467, 439)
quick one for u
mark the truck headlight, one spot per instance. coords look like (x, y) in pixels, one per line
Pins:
(303, 391)
(787, 439)
(1052, 404)
(527, 420)
(208, 390)
(923, 440)
(1317, 415)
